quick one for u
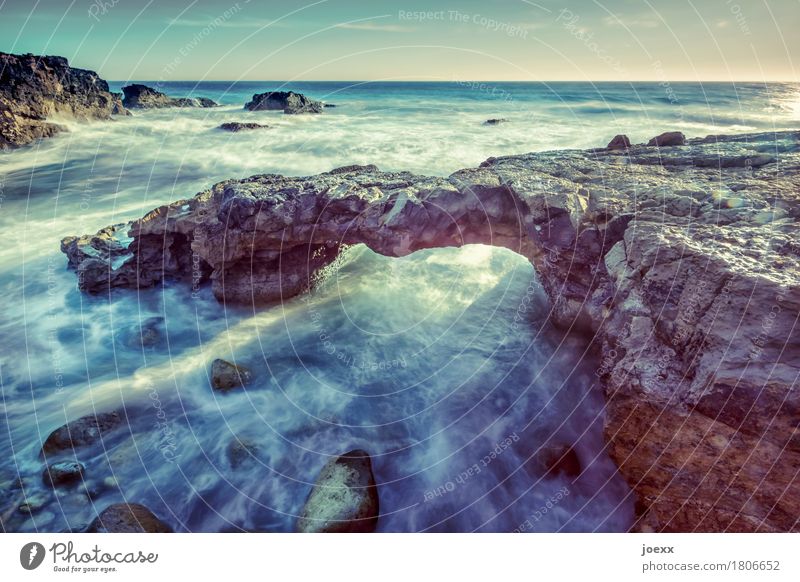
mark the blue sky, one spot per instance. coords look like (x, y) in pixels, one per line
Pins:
(523, 40)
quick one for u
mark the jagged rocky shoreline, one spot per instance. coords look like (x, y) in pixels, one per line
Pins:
(681, 261)
(34, 89)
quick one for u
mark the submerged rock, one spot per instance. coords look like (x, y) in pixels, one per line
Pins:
(36, 88)
(225, 375)
(239, 126)
(139, 96)
(239, 451)
(620, 142)
(344, 498)
(495, 121)
(81, 432)
(670, 138)
(127, 518)
(34, 503)
(683, 262)
(560, 460)
(287, 101)
(147, 334)
(62, 473)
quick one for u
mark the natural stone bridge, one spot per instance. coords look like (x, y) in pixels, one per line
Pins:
(683, 261)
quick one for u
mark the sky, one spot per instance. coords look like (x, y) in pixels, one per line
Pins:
(491, 40)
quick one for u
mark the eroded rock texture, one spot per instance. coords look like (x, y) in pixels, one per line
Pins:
(144, 97)
(287, 101)
(36, 88)
(681, 260)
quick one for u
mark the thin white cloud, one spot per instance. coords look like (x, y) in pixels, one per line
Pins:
(221, 23)
(632, 21)
(371, 26)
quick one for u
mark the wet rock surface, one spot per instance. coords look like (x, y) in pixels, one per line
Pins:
(127, 518)
(143, 97)
(84, 431)
(620, 142)
(226, 375)
(670, 138)
(681, 261)
(344, 498)
(36, 88)
(241, 451)
(63, 473)
(560, 460)
(287, 101)
(235, 126)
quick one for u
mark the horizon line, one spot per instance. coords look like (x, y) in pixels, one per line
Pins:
(363, 81)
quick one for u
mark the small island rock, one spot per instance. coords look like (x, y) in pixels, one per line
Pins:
(225, 375)
(344, 498)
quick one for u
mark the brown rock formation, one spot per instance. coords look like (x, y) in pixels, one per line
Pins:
(683, 263)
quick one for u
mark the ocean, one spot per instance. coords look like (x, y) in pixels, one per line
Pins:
(415, 359)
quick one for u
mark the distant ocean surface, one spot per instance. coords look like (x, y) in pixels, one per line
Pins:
(426, 375)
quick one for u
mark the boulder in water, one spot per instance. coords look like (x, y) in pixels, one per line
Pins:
(344, 498)
(287, 101)
(235, 126)
(62, 473)
(127, 518)
(560, 460)
(83, 431)
(240, 451)
(146, 334)
(33, 503)
(225, 375)
(497, 121)
(143, 97)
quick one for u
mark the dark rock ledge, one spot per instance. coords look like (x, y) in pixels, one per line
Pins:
(34, 88)
(144, 97)
(287, 101)
(236, 126)
(681, 260)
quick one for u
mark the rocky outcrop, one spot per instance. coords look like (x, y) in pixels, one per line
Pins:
(681, 262)
(287, 101)
(235, 126)
(143, 97)
(35, 89)
(620, 142)
(84, 431)
(344, 498)
(670, 138)
(127, 518)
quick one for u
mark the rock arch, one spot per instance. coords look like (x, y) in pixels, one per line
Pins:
(671, 256)
(263, 239)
